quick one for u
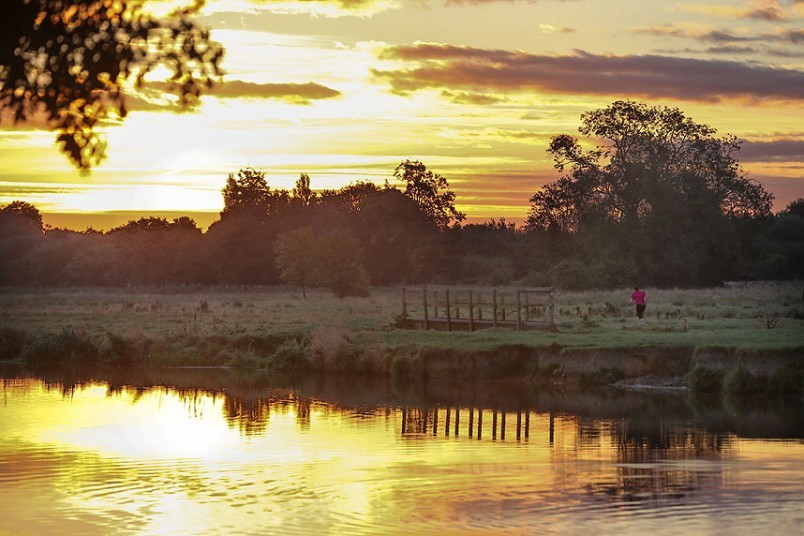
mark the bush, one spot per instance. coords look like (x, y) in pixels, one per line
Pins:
(121, 349)
(739, 381)
(290, 358)
(704, 380)
(68, 345)
(12, 341)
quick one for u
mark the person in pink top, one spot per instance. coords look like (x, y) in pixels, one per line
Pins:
(638, 297)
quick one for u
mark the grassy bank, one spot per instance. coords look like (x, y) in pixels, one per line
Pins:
(277, 329)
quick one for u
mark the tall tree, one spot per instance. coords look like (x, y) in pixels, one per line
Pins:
(249, 193)
(23, 212)
(302, 194)
(296, 258)
(66, 62)
(430, 191)
(661, 190)
(649, 155)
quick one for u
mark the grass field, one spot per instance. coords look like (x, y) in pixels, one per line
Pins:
(763, 316)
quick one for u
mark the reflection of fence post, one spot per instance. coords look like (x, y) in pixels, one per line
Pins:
(424, 304)
(449, 314)
(471, 313)
(551, 304)
(494, 306)
(519, 309)
(527, 306)
(404, 304)
(527, 423)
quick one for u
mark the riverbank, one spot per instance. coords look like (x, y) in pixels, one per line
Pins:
(742, 339)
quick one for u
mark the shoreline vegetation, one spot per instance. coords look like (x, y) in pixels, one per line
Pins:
(739, 339)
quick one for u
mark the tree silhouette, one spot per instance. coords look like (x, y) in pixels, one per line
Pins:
(302, 194)
(249, 193)
(661, 198)
(649, 155)
(66, 63)
(430, 191)
(23, 212)
(296, 258)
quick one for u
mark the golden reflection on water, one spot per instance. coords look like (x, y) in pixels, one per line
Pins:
(93, 459)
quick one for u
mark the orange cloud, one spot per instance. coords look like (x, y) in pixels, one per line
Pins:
(239, 89)
(763, 10)
(781, 150)
(454, 68)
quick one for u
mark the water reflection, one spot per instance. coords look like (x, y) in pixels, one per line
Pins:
(202, 451)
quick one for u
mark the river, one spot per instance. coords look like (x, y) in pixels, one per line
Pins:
(213, 451)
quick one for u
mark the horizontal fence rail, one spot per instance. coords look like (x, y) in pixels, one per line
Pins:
(468, 309)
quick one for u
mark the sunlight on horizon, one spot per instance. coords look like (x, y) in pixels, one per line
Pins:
(484, 135)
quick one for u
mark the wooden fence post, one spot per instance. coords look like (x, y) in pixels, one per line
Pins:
(471, 313)
(424, 303)
(404, 304)
(552, 307)
(449, 314)
(519, 309)
(494, 306)
(527, 306)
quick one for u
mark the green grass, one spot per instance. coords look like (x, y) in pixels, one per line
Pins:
(711, 317)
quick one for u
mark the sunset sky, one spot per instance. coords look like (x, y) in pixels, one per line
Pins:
(344, 90)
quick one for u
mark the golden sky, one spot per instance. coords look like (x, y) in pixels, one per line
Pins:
(345, 89)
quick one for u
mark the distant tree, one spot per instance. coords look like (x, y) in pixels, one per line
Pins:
(650, 156)
(390, 228)
(302, 194)
(351, 197)
(339, 267)
(249, 193)
(430, 191)
(661, 191)
(296, 258)
(330, 260)
(23, 212)
(795, 208)
(66, 62)
(20, 236)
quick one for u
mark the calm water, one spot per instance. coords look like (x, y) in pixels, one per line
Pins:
(211, 452)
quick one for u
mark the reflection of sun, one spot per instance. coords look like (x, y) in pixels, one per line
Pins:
(158, 425)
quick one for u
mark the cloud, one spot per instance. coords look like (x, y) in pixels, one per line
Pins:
(550, 29)
(239, 89)
(781, 150)
(298, 93)
(462, 97)
(788, 37)
(454, 68)
(761, 10)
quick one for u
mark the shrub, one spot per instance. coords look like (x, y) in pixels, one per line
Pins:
(68, 345)
(739, 381)
(290, 358)
(121, 349)
(12, 341)
(704, 380)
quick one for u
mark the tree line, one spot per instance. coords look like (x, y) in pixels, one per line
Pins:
(660, 201)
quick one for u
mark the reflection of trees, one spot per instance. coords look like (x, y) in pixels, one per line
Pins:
(651, 461)
(251, 415)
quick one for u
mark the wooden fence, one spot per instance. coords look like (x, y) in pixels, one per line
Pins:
(469, 309)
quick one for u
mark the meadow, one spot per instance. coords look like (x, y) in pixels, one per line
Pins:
(761, 315)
